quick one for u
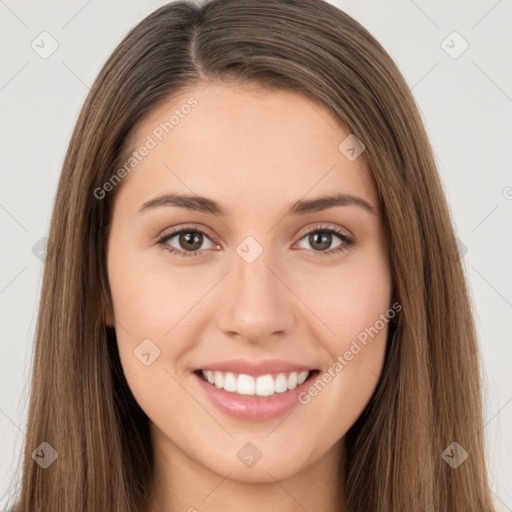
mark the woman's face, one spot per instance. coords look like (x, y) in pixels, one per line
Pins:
(277, 281)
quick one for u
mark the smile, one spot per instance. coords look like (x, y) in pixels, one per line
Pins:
(254, 397)
(263, 385)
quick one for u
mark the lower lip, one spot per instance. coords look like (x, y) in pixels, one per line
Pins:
(251, 407)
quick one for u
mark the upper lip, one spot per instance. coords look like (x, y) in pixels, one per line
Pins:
(255, 368)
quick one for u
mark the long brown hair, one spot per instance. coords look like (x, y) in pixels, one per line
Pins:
(429, 393)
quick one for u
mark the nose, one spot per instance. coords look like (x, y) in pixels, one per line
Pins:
(257, 305)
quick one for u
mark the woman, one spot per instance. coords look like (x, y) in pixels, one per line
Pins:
(251, 298)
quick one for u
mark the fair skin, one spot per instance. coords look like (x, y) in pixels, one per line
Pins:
(255, 153)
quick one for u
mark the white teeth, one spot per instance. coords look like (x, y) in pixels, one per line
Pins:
(230, 382)
(302, 377)
(245, 384)
(280, 383)
(219, 380)
(264, 385)
(291, 382)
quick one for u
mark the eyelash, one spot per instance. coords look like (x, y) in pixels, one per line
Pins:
(347, 242)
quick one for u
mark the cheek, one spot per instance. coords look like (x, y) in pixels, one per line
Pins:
(354, 302)
(150, 298)
(146, 307)
(349, 298)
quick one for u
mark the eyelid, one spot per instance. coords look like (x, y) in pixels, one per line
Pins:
(323, 225)
(187, 227)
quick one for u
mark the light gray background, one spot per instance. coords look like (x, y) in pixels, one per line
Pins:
(466, 104)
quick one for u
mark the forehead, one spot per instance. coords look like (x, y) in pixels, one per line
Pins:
(244, 142)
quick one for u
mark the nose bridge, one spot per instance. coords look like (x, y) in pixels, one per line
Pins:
(252, 272)
(258, 303)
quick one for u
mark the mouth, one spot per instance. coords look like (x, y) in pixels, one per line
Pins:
(256, 386)
(254, 390)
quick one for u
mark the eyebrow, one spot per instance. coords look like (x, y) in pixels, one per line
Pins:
(300, 207)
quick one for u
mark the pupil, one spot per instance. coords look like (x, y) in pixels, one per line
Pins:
(187, 240)
(323, 238)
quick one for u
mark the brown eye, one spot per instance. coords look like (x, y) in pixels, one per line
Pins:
(190, 241)
(321, 239)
